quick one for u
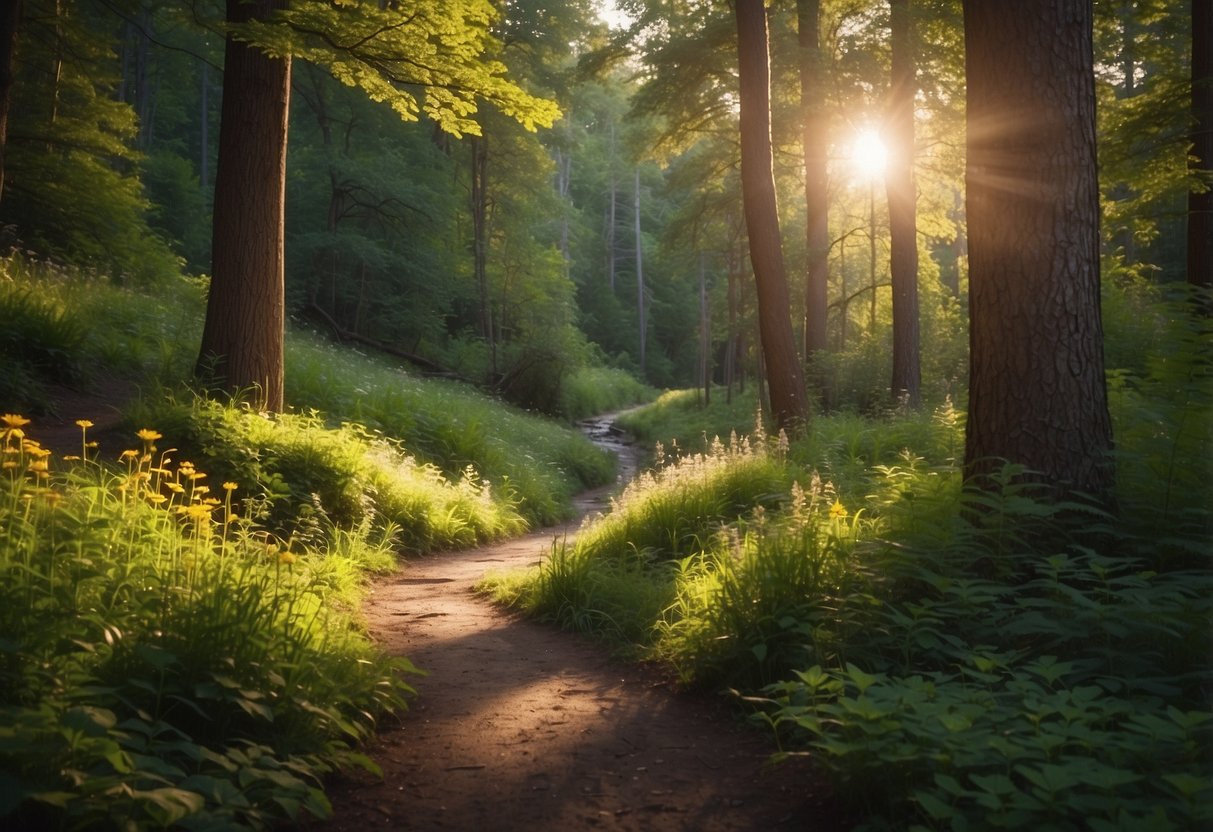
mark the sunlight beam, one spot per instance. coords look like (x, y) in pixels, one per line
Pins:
(869, 156)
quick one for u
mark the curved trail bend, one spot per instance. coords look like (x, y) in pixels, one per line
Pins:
(520, 726)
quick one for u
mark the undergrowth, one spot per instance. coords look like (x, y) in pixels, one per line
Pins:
(956, 655)
(167, 661)
(314, 481)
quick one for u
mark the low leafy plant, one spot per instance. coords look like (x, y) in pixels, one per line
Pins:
(166, 660)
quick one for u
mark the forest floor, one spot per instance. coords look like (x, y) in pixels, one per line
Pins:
(521, 726)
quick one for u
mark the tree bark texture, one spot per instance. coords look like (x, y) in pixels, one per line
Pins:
(903, 229)
(641, 314)
(242, 339)
(1200, 205)
(1037, 391)
(816, 147)
(784, 377)
(10, 21)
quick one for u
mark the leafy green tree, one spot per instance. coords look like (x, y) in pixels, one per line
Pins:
(71, 178)
(388, 52)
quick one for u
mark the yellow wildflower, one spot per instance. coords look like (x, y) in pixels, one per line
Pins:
(230, 486)
(128, 453)
(84, 423)
(148, 435)
(12, 420)
(286, 557)
(838, 511)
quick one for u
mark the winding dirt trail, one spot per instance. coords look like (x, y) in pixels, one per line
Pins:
(520, 726)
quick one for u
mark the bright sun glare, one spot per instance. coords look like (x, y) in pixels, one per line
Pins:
(869, 155)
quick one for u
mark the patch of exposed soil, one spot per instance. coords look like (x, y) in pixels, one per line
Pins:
(520, 726)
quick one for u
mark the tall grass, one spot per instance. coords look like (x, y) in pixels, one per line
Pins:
(589, 391)
(538, 463)
(313, 481)
(165, 660)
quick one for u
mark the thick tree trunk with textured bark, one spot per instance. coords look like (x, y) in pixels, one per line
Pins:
(1037, 392)
(242, 348)
(816, 147)
(903, 229)
(1200, 205)
(784, 377)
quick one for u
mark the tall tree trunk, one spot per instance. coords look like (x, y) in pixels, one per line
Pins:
(785, 380)
(10, 21)
(242, 337)
(1037, 391)
(903, 229)
(57, 66)
(204, 129)
(564, 175)
(1200, 205)
(705, 335)
(640, 304)
(480, 242)
(610, 235)
(815, 145)
(872, 257)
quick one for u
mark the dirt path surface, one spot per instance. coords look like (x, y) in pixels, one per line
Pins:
(520, 726)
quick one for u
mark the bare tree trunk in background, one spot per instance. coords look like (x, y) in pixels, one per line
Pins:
(640, 306)
(784, 376)
(1037, 391)
(705, 336)
(480, 243)
(204, 130)
(610, 235)
(815, 146)
(10, 21)
(1200, 205)
(242, 338)
(903, 229)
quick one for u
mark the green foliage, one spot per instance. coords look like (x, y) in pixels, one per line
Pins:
(167, 662)
(71, 190)
(678, 416)
(532, 462)
(619, 573)
(445, 49)
(41, 342)
(749, 608)
(315, 480)
(957, 657)
(590, 391)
